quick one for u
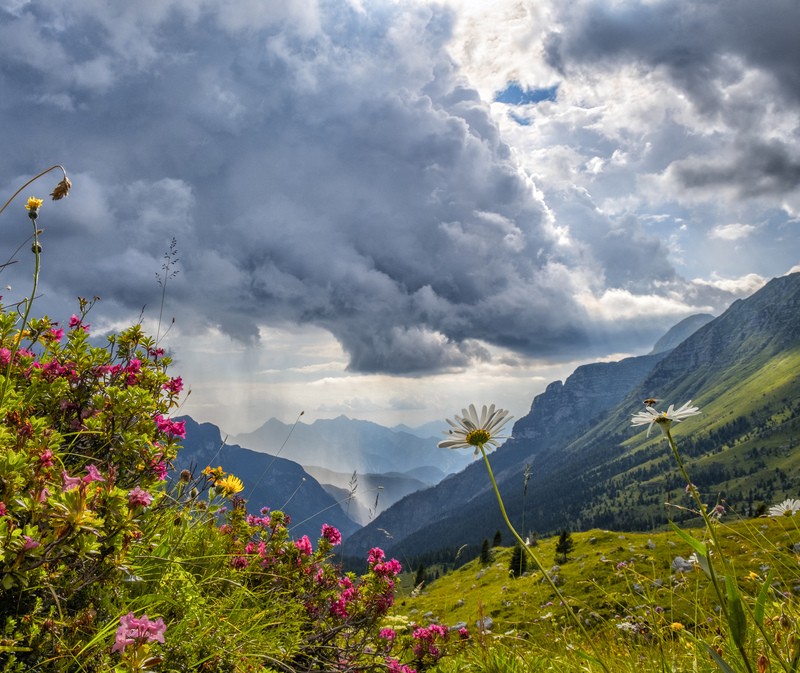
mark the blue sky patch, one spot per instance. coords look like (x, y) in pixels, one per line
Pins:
(514, 94)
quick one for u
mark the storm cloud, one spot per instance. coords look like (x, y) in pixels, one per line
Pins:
(333, 165)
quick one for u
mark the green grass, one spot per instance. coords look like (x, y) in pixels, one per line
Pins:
(634, 606)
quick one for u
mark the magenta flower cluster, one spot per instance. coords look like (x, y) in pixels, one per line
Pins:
(138, 631)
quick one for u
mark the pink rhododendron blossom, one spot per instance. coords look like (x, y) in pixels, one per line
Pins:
(159, 469)
(138, 631)
(44, 494)
(239, 562)
(170, 427)
(74, 321)
(139, 498)
(2, 509)
(70, 482)
(304, 545)
(394, 666)
(5, 356)
(331, 534)
(388, 634)
(56, 333)
(174, 385)
(92, 474)
(46, 459)
(30, 543)
(375, 555)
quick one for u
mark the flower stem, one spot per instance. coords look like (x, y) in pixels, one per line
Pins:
(535, 558)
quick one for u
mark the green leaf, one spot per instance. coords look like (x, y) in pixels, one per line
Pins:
(694, 543)
(737, 622)
(761, 600)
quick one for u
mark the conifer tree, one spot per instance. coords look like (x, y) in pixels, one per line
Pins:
(564, 545)
(519, 561)
(485, 556)
(497, 539)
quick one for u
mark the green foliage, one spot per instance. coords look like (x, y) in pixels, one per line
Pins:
(485, 556)
(518, 565)
(564, 545)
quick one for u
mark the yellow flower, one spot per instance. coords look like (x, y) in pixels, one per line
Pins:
(676, 626)
(33, 203)
(214, 473)
(230, 485)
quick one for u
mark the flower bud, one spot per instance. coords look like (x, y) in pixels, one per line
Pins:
(36, 247)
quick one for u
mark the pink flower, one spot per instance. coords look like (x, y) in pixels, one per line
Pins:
(46, 459)
(387, 634)
(44, 494)
(92, 474)
(74, 321)
(133, 631)
(30, 543)
(376, 554)
(304, 545)
(56, 334)
(331, 534)
(169, 427)
(139, 498)
(174, 386)
(2, 508)
(70, 482)
(159, 469)
(239, 562)
(5, 356)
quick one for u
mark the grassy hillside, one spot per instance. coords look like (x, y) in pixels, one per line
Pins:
(623, 588)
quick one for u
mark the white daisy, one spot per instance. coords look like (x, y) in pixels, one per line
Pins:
(471, 430)
(788, 507)
(664, 419)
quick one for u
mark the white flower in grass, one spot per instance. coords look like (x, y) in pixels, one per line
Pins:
(788, 507)
(470, 430)
(664, 419)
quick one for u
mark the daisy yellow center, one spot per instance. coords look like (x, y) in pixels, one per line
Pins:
(478, 437)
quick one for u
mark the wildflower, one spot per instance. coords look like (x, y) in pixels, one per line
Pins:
(30, 543)
(169, 427)
(33, 204)
(664, 419)
(303, 545)
(229, 485)
(139, 498)
(676, 626)
(70, 482)
(331, 534)
(74, 321)
(787, 508)
(387, 634)
(92, 474)
(471, 430)
(174, 385)
(2, 508)
(133, 631)
(46, 459)
(717, 512)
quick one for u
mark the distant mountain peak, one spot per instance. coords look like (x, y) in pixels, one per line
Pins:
(680, 332)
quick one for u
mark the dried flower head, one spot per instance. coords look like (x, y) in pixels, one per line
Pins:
(62, 189)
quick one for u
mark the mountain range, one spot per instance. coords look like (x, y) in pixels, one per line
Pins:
(589, 468)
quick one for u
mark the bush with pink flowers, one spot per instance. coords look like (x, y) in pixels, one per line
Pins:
(109, 563)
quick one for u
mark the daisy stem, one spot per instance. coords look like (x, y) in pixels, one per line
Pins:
(536, 560)
(714, 542)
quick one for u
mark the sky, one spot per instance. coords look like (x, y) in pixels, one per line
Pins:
(390, 210)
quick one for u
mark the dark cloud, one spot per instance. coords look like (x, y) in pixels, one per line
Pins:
(332, 169)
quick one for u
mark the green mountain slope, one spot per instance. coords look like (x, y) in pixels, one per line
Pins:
(592, 469)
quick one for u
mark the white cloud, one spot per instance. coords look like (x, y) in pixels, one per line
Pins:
(732, 232)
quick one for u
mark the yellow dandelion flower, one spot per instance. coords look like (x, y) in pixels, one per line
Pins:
(676, 626)
(33, 203)
(230, 485)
